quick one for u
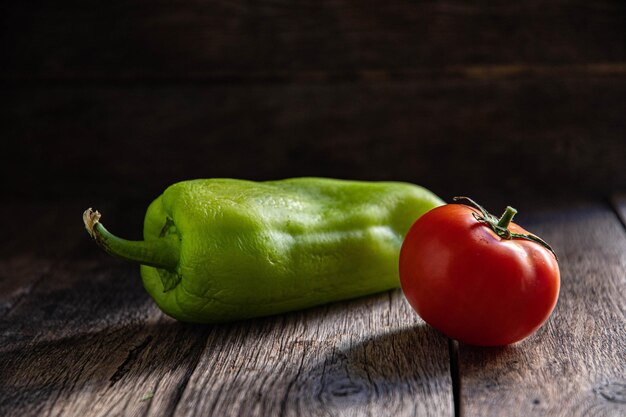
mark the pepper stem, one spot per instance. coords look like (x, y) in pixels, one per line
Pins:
(162, 252)
(506, 218)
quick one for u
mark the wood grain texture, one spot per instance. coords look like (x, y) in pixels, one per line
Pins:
(453, 136)
(372, 356)
(34, 245)
(88, 341)
(576, 364)
(84, 355)
(243, 39)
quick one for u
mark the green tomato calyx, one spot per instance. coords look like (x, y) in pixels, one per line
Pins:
(500, 225)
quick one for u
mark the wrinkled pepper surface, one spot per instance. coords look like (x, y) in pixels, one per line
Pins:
(217, 250)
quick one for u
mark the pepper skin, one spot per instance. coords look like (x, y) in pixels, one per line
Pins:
(218, 250)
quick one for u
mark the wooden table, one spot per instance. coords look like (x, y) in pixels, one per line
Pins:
(79, 336)
(106, 103)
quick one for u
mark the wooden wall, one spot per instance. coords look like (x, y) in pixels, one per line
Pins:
(119, 99)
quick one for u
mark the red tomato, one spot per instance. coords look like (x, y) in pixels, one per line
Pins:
(476, 283)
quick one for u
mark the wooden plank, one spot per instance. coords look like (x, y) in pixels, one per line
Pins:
(576, 364)
(93, 351)
(454, 136)
(88, 341)
(371, 356)
(35, 243)
(239, 40)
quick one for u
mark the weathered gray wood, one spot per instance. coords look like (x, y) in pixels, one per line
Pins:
(88, 340)
(36, 239)
(368, 357)
(452, 136)
(341, 39)
(123, 360)
(576, 364)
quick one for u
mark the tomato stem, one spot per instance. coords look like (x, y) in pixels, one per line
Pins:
(500, 226)
(506, 218)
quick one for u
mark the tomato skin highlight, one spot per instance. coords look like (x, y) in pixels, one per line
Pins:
(472, 285)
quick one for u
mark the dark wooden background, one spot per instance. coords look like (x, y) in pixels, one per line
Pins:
(119, 99)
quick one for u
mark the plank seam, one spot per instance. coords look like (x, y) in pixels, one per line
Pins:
(453, 349)
(134, 353)
(613, 203)
(283, 403)
(131, 358)
(201, 346)
(29, 290)
(321, 76)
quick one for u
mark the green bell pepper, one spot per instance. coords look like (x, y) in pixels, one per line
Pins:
(217, 250)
